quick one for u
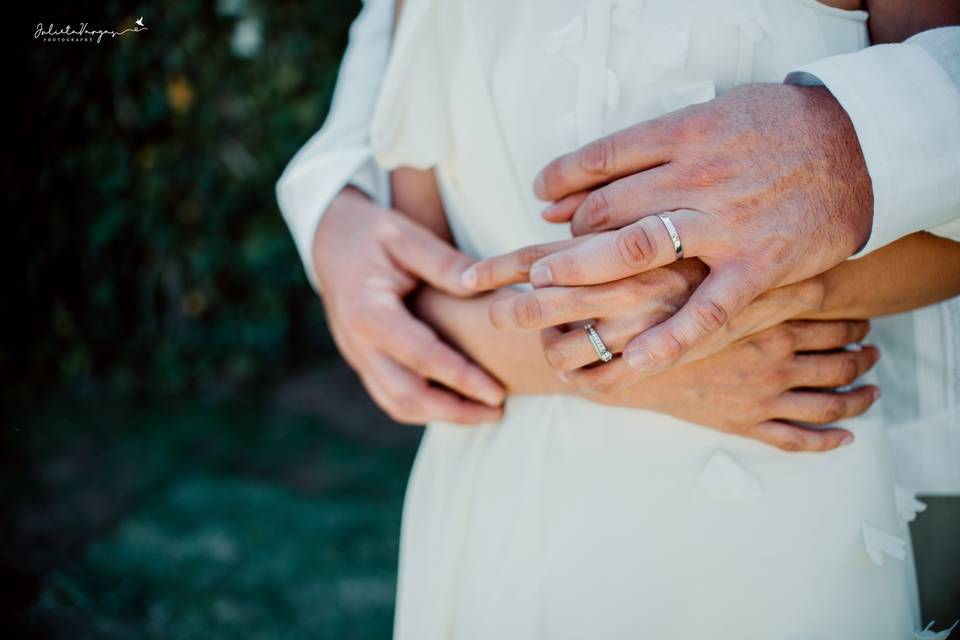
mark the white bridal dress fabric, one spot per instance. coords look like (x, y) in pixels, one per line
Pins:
(574, 520)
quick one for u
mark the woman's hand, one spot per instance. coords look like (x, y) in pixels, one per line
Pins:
(760, 386)
(753, 388)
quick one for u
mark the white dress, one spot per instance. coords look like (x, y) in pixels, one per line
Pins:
(574, 520)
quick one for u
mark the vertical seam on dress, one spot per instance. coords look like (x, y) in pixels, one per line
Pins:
(591, 90)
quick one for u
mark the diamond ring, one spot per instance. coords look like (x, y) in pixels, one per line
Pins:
(602, 352)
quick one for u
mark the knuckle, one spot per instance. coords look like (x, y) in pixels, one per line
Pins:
(783, 338)
(526, 256)
(597, 158)
(777, 249)
(791, 442)
(674, 345)
(710, 316)
(831, 410)
(853, 332)
(596, 208)
(526, 311)
(704, 172)
(849, 371)
(556, 357)
(780, 377)
(635, 248)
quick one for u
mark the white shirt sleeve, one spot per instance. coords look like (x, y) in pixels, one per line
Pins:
(904, 102)
(339, 153)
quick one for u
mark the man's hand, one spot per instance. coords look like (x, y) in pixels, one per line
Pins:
(767, 185)
(367, 261)
(760, 387)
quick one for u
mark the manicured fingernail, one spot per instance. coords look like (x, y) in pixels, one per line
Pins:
(638, 358)
(469, 278)
(540, 187)
(847, 439)
(541, 276)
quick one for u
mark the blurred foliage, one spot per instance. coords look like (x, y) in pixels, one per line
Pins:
(222, 520)
(146, 237)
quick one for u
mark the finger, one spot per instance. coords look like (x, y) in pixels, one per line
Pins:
(832, 369)
(612, 255)
(824, 407)
(630, 150)
(610, 377)
(568, 350)
(416, 346)
(821, 335)
(423, 254)
(625, 201)
(409, 399)
(549, 307)
(721, 295)
(562, 210)
(791, 437)
(510, 268)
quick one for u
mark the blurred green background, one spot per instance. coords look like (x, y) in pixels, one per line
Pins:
(184, 455)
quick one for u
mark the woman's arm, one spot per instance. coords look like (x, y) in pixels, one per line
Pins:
(897, 20)
(916, 271)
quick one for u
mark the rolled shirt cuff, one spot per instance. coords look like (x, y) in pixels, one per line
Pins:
(306, 190)
(904, 109)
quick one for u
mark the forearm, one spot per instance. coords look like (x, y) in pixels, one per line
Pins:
(916, 271)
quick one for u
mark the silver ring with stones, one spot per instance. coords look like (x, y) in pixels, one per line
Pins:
(602, 352)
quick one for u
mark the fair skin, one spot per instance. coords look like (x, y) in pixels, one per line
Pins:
(367, 259)
(766, 185)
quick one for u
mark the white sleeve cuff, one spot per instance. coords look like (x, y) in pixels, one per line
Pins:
(906, 112)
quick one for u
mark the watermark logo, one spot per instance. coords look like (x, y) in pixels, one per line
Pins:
(82, 32)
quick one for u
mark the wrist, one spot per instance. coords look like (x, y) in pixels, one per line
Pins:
(345, 211)
(808, 296)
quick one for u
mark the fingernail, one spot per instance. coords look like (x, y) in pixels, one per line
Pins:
(540, 187)
(847, 439)
(541, 276)
(875, 392)
(469, 278)
(548, 210)
(638, 358)
(564, 376)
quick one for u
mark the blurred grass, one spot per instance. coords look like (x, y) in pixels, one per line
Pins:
(199, 520)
